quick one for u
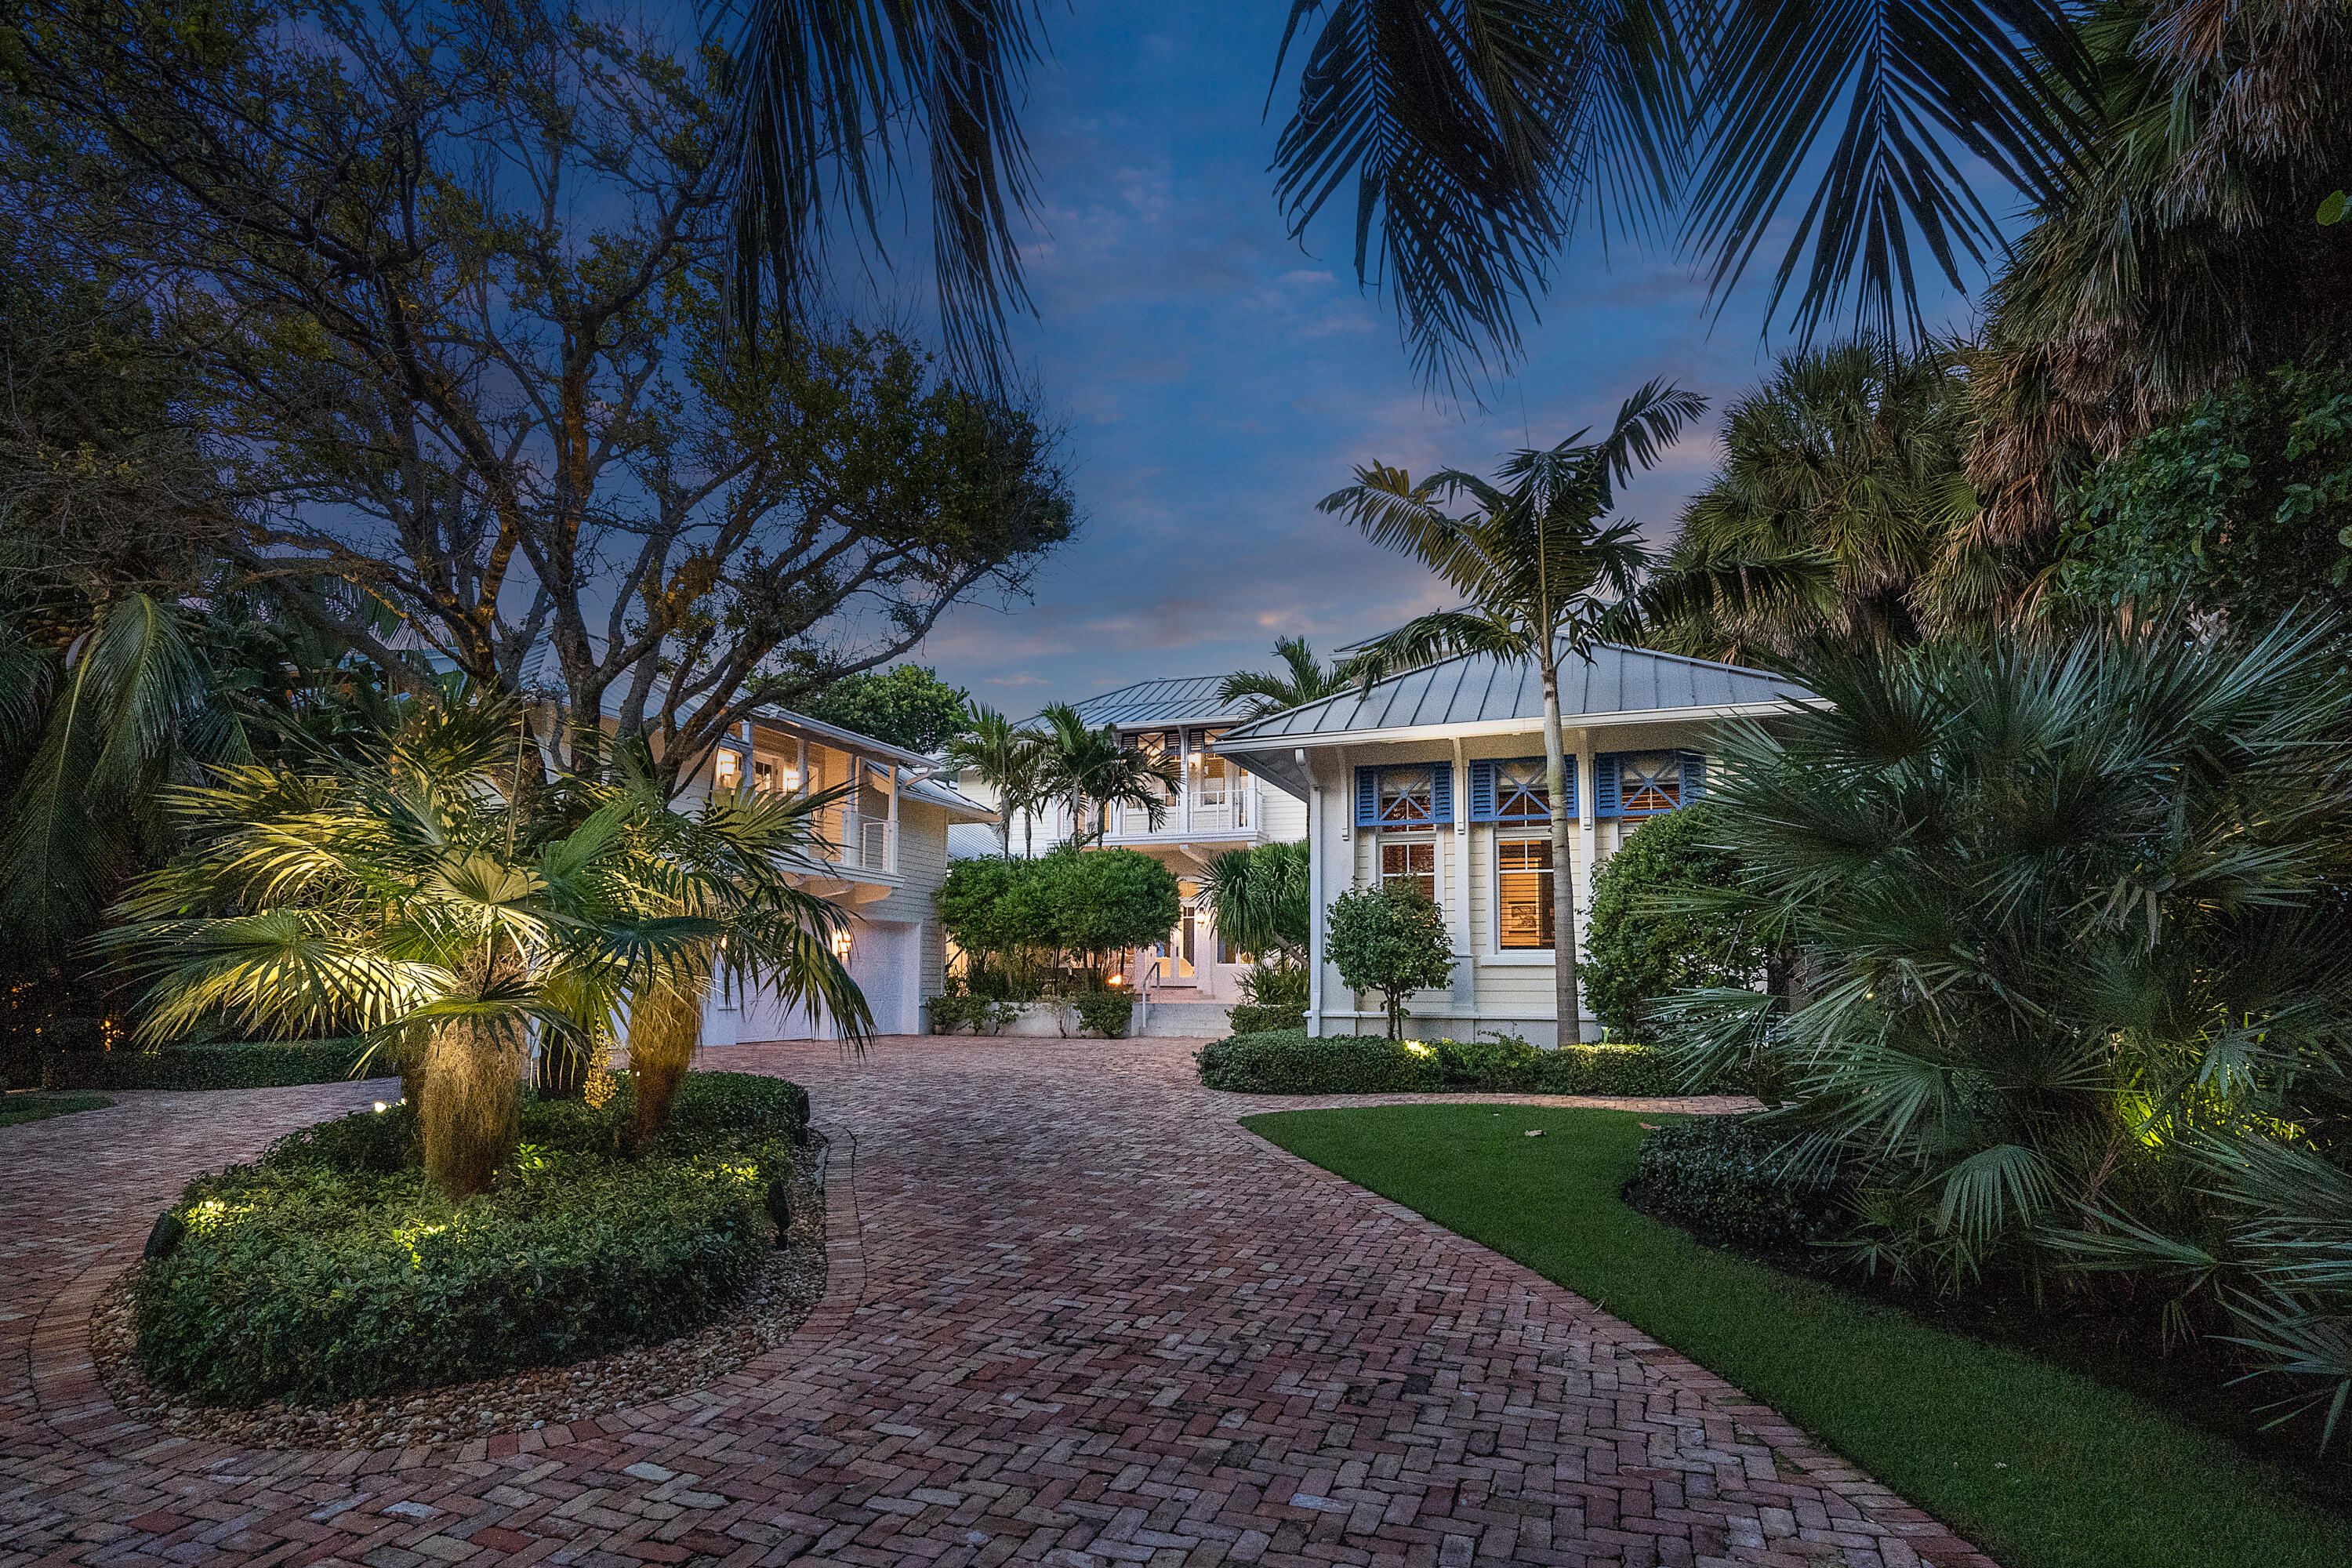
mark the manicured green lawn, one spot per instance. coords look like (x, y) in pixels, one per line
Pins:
(35, 1106)
(2095, 1477)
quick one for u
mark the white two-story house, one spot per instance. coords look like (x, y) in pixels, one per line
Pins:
(1438, 775)
(1217, 805)
(886, 855)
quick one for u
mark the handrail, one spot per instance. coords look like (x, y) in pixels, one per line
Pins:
(1144, 995)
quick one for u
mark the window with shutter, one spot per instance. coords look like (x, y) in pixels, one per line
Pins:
(1409, 799)
(1644, 784)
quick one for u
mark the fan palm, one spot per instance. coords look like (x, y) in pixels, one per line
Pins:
(2062, 904)
(1542, 575)
(1853, 452)
(1300, 680)
(734, 865)
(1087, 770)
(1473, 133)
(1008, 759)
(1259, 898)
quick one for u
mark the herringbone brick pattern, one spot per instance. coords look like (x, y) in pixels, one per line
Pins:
(1076, 1317)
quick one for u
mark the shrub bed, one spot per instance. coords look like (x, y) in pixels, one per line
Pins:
(1726, 1180)
(1107, 1012)
(331, 1269)
(1289, 1061)
(261, 1064)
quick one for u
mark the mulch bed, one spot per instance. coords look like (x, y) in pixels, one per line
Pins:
(780, 1297)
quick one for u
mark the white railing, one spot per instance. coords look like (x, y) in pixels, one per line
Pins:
(861, 841)
(1230, 814)
(1144, 995)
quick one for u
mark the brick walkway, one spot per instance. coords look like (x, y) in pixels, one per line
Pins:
(1076, 1317)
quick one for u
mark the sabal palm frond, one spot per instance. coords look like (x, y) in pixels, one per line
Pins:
(1258, 897)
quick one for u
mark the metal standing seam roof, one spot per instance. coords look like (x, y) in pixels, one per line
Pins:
(1480, 690)
(1184, 699)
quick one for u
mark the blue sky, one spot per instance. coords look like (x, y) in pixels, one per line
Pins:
(1217, 380)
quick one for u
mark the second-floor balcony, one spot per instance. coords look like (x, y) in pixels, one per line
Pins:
(1229, 811)
(860, 841)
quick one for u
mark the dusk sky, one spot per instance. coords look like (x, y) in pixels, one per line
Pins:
(1218, 380)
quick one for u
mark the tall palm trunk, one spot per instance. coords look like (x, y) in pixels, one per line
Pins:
(665, 1028)
(1567, 1027)
(468, 1113)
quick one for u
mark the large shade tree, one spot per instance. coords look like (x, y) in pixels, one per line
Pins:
(453, 279)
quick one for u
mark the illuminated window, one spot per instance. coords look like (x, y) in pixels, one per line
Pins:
(1405, 799)
(729, 774)
(1410, 862)
(1523, 893)
(1649, 782)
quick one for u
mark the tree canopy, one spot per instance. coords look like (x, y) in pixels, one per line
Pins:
(908, 705)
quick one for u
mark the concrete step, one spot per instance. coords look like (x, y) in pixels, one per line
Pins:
(1208, 1019)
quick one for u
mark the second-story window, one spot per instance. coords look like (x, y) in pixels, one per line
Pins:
(1211, 775)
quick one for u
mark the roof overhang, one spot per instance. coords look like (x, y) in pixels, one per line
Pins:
(1281, 760)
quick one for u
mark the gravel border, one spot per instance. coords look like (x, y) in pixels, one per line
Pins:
(783, 1293)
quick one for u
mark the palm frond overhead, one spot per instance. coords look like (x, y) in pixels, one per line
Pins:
(1887, 102)
(825, 92)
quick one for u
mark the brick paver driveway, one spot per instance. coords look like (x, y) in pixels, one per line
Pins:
(1077, 1316)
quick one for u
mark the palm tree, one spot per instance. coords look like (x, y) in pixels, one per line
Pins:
(1542, 578)
(95, 733)
(1301, 680)
(1474, 134)
(1852, 452)
(733, 866)
(414, 897)
(1009, 761)
(1087, 770)
(1259, 898)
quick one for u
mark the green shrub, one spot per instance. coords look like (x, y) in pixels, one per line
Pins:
(19, 1109)
(1636, 951)
(981, 1015)
(1250, 1018)
(1389, 939)
(1108, 1013)
(331, 1269)
(260, 1064)
(301, 1282)
(1288, 1061)
(1723, 1179)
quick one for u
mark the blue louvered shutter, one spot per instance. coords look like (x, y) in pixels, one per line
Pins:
(1694, 776)
(1368, 797)
(1441, 793)
(1604, 785)
(1482, 792)
(1568, 772)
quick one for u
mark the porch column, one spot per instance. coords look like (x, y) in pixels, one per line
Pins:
(1466, 945)
(1586, 784)
(1316, 855)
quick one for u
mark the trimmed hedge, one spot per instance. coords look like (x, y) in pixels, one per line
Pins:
(1107, 1012)
(332, 1270)
(1726, 1180)
(1251, 1019)
(260, 1064)
(1289, 1061)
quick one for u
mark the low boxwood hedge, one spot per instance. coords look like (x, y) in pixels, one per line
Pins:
(1290, 1062)
(1726, 1179)
(331, 1269)
(260, 1064)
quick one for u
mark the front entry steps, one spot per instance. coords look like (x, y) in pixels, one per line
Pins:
(1208, 1019)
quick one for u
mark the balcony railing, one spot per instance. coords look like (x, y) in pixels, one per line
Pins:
(860, 841)
(1231, 812)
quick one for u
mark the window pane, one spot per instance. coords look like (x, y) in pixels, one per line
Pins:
(1523, 882)
(1520, 793)
(1416, 862)
(1649, 781)
(1404, 796)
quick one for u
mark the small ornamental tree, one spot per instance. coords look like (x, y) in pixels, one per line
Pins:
(1106, 901)
(1648, 939)
(1390, 939)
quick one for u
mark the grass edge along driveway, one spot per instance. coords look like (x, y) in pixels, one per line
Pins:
(2041, 1466)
